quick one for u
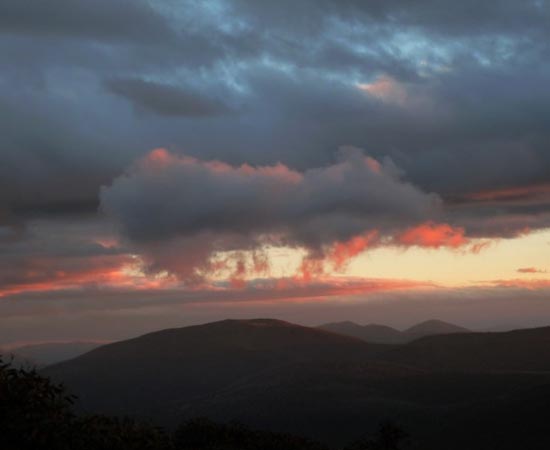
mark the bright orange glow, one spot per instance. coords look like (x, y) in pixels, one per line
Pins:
(432, 235)
(115, 271)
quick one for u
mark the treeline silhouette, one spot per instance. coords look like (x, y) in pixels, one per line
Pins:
(37, 414)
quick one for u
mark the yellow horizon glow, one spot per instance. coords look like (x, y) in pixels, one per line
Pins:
(446, 267)
(456, 268)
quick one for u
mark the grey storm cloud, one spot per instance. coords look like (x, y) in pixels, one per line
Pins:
(165, 196)
(165, 99)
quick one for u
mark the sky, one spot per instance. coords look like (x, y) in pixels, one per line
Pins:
(165, 163)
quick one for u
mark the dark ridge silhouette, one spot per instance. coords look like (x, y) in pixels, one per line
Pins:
(447, 390)
(519, 350)
(38, 414)
(153, 371)
(383, 334)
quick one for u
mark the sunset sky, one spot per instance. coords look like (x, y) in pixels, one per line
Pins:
(164, 163)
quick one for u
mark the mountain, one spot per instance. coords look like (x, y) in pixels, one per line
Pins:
(453, 391)
(519, 350)
(381, 334)
(431, 328)
(51, 353)
(182, 365)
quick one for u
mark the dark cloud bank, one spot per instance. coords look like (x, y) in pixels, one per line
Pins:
(475, 77)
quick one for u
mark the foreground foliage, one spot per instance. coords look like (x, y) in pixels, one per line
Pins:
(38, 414)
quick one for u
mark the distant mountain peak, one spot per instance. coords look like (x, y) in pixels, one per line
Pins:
(257, 322)
(344, 323)
(264, 322)
(434, 326)
(374, 333)
(384, 334)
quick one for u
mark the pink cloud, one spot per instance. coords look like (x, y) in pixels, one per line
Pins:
(433, 235)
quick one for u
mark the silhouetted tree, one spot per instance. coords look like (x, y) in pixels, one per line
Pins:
(36, 414)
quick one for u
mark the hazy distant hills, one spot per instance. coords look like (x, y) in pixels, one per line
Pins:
(369, 333)
(49, 353)
(433, 327)
(467, 390)
(387, 335)
(519, 350)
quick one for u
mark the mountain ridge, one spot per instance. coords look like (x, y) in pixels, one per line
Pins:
(383, 334)
(276, 375)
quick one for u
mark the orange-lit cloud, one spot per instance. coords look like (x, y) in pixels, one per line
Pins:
(161, 158)
(297, 289)
(50, 274)
(310, 269)
(432, 235)
(342, 252)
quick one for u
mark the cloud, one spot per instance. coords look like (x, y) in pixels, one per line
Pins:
(431, 235)
(166, 100)
(294, 79)
(444, 18)
(527, 194)
(170, 205)
(50, 274)
(59, 255)
(102, 19)
(261, 290)
(531, 270)
(385, 89)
